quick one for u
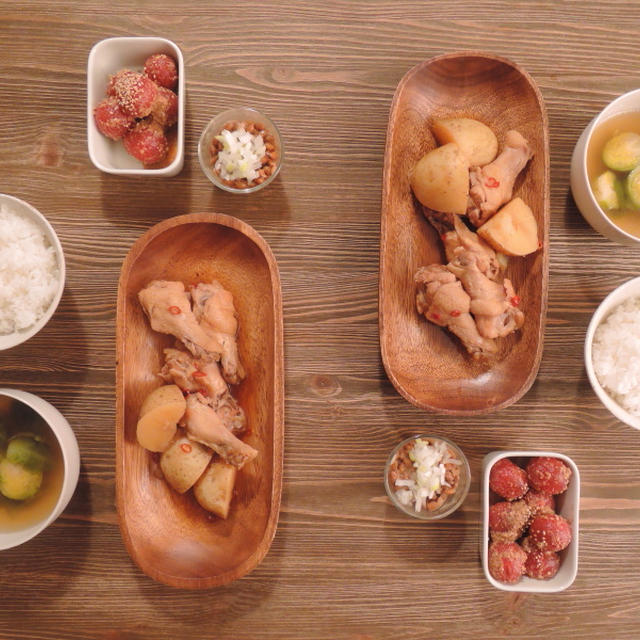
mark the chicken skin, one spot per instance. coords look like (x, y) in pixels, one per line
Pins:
(442, 300)
(491, 186)
(205, 426)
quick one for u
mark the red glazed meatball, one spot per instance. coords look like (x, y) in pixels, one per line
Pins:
(162, 70)
(506, 561)
(146, 142)
(542, 565)
(116, 77)
(508, 480)
(540, 502)
(165, 108)
(550, 475)
(135, 93)
(111, 120)
(550, 532)
(507, 520)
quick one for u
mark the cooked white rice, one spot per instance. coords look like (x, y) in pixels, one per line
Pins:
(29, 272)
(616, 355)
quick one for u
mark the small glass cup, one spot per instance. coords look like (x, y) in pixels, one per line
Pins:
(216, 125)
(452, 502)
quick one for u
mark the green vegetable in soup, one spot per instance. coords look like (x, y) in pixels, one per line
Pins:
(29, 452)
(622, 152)
(608, 191)
(18, 483)
(633, 187)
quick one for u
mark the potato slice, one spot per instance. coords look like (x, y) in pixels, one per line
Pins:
(159, 416)
(440, 180)
(184, 462)
(513, 230)
(214, 489)
(474, 138)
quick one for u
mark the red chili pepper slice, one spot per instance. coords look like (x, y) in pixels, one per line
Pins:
(198, 374)
(515, 300)
(186, 447)
(435, 316)
(455, 313)
(175, 310)
(492, 183)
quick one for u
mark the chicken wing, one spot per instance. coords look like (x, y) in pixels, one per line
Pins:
(167, 305)
(442, 300)
(493, 304)
(205, 426)
(491, 186)
(203, 376)
(215, 312)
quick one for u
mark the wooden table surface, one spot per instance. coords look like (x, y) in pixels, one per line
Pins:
(344, 564)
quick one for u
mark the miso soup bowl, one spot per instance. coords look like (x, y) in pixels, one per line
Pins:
(70, 458)
(580, 187)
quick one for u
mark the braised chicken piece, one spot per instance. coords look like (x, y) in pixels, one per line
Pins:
(205, 426)
(193, 374)
(203, 376)
(442, 300)
(169, 310)
(491, 186)
(215, 312)
(493, 304)
(463, 240)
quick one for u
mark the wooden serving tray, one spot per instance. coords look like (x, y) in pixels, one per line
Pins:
(426, 363)
(169, 536)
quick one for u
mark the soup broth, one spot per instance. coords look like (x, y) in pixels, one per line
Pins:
(18, 418)
(626, 218)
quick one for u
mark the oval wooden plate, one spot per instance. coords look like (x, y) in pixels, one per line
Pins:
(169, 536)
(426, 363)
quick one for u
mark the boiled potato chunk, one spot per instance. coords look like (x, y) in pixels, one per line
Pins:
(214, 489)
(184, 462)
(474, 138)
(159, 416)
(513, 230)
(440, 180)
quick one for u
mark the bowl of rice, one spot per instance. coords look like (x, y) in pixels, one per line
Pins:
(427, 477)
(32, 271)
(612, 352)
(241, 150)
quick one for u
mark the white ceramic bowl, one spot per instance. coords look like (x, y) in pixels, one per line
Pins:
(580, 187)
(106, 58)
(215, 126)
(630, 289)
(71, 461)
(31, 213)
(567, 505)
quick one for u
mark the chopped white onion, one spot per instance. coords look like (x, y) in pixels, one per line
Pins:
(241, 154)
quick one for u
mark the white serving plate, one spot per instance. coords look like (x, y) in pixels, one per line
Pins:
(106, 58)
(567, 505)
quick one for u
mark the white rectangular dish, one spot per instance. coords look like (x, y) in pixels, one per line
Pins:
(568, 506)
(105, 59)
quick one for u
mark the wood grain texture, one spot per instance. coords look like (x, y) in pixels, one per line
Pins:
(344, 564)
(168, 535)
(427, 364)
